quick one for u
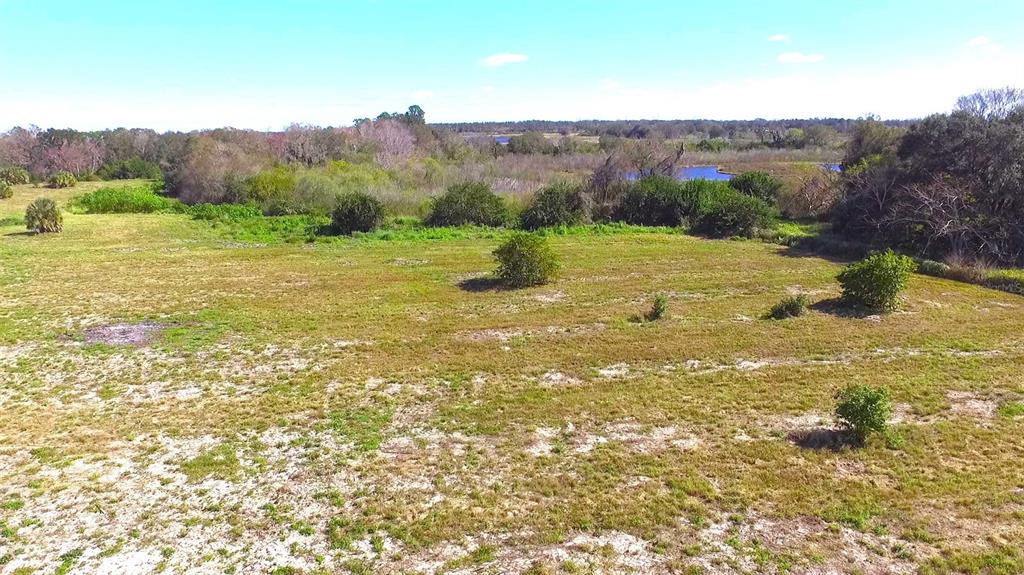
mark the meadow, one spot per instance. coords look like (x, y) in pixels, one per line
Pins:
(182, 396)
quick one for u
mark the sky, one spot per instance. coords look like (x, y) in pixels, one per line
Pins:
(193, 64)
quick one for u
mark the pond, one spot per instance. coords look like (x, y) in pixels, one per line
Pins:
(691, 173)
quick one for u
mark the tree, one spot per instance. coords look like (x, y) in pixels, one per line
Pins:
(392, 140)
(996, 104)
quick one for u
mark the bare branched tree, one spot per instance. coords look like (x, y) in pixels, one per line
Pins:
(392, 139)
(994, 104)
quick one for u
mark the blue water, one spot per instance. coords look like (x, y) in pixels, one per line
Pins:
(691, 173)
(833, 167)
(502, 139)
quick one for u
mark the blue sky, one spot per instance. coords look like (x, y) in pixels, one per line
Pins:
(193, 64)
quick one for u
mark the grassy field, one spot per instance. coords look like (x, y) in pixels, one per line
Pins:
(178, 400)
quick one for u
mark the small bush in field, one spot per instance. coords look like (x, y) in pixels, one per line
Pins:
(469, 203)
(126, 200)
(555, 205)
(6, 191)
(15, 175)
(933, 268)
(864, 410)
(793, 306)
(659, 309)
(877, 280)
(43, 216)
(63, 180)
(760, 185)
(525, 260)
(729, 213)
(357, 212)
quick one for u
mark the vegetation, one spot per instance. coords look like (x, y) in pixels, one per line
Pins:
(130, 169)
(876, 281)
(6, 190)
(125, 200)
(525, 260)
(555, 205)
(791, 306)
(63, 180)
(760, 185)
(472, 203)
(864, 410)
(728, 213)
(15, 175)
(43, 216)
(659, 308)
(357, 212)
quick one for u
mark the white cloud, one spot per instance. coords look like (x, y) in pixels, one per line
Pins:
(978, 41)
(496, 60)
(778, 38)
(422, 94)
(800, 58)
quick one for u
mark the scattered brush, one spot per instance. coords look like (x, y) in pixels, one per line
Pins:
(659, 309)
(792, 306)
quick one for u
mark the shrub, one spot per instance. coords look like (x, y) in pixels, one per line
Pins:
(357, 212)
(469, 203)
(63, 180)
(14, 175)
(659, 308)
(272, 190)
(663, 201)
(43, 216)
(933, 268)
(130, 169)
(555, 205)
(760, 185)
(525, 260)
(730, 213)
(6, 191)
(792, 306)
(877, 280)
(864, 410)
(127, 200)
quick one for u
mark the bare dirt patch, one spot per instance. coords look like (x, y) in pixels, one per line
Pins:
(137, 334)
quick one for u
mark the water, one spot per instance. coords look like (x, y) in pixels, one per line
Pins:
(691, 173)
(832, 167)
(503, 140)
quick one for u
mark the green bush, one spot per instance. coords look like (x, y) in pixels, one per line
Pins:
(555, 205)
(6, 190)
(792, 306)
(469, 203)
(14, 175)
(525, 260)
(933, 268)
(126, 200)
(63, 180)
(273, 190)
(43, 216)
(659, 308)
(729, 213)
(662, 201)
(760, 185)
(877, 280)
(357, 212)
(130, 169)
(864, 410)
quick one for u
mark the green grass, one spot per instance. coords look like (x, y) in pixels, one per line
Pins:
(220, 462)
(360, 387)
